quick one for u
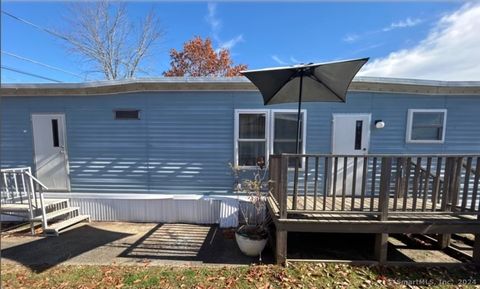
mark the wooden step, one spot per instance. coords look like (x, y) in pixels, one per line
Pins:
(58, 213)
(54, 229)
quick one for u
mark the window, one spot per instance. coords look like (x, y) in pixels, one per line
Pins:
(127, 114)
(56, 142)
(252, 137)
(259, 133)
(426, 125)
(285, 132)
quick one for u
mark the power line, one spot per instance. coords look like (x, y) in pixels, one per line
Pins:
(28, 73)
(41, 64)
(36, 26)
(51, 32)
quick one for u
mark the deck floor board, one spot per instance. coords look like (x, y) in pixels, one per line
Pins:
(407, 214)
(357, 204)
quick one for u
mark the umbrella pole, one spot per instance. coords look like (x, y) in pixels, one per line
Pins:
(299, 113)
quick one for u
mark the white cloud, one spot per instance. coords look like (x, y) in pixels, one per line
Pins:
(216, 25)
(278, 60)
(366, 48)
(294, 60)
(451, 51)
(409, 22)
(350, 38)
(211, 17)
(229, 44)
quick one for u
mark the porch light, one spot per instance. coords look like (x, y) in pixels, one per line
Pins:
(379, 123)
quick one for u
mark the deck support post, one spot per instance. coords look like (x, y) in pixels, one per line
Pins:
(281, 247)
(476, 242)
(381, 239)
(476, 250)
(443, 241)
(381, 247)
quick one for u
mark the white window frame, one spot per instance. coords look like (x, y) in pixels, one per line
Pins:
(237, 132)
(269, 130)
(410, 124)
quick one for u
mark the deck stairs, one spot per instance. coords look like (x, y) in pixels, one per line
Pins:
(22, 197)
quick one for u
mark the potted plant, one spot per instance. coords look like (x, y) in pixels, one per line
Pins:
(252, 236)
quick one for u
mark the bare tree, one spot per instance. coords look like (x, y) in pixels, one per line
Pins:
(102, 34)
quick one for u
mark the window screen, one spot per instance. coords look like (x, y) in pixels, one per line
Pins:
(127, 114)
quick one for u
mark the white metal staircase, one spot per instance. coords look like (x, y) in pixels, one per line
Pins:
(22, 196)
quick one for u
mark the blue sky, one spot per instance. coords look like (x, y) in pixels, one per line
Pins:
(263, 34)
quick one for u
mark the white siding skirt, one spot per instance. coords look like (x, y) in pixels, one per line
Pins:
(194, 209)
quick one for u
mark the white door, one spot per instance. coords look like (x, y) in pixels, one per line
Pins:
(49, 141)
(350, 136)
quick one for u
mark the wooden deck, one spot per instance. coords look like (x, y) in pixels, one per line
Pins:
(392, 194)
(359, 204)
(367, 221)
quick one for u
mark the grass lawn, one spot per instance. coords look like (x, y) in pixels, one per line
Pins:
(295, 276)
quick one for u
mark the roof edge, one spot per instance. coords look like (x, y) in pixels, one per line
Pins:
(359, 83)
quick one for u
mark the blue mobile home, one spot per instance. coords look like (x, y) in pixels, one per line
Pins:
(158, 149)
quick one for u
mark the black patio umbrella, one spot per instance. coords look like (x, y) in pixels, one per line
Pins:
(305, 83)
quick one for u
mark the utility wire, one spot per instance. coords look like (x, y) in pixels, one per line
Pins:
(28, 73)
(36, 26)
(49, 31)
(41, 64)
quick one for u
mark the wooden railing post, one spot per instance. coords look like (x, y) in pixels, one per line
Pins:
(281, 234)
(283, 187)
(384, 195)
(295, 182)
(455, 188)
(446, 185)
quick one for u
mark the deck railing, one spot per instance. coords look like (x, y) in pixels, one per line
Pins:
(380, 185)
(19, 186)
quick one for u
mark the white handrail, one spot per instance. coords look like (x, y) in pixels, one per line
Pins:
(42, 203)
(28, 188)
(36, 180)
(8, 170)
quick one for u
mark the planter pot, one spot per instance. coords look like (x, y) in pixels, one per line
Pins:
(250, 247)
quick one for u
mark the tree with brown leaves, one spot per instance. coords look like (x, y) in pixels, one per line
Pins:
(198, 58)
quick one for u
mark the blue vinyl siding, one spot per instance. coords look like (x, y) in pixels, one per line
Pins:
(184, 140)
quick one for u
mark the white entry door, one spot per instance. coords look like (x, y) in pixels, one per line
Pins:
(51, 160)
(350, 136)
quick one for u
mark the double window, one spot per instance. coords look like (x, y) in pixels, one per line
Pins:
(259, 133)
(426, 125)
